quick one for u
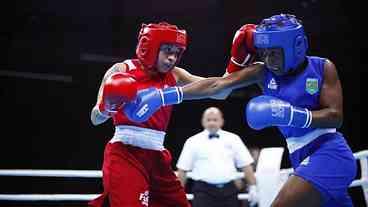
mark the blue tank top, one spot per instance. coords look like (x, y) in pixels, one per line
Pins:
(301, 90)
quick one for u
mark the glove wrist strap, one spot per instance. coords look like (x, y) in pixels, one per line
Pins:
(300, 117)
(244, 63)
(171, 95)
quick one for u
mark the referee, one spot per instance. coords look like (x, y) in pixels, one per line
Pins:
(213, 157)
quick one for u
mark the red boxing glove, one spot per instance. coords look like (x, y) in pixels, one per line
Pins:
(242, 49)
(118, 89)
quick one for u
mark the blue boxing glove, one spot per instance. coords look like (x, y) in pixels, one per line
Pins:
(264, 111)
(146, 103)
(149, 100)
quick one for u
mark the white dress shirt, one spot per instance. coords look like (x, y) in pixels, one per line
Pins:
(214, 160)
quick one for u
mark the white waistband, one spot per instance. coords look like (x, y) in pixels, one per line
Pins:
(139, 137)
(295, 143)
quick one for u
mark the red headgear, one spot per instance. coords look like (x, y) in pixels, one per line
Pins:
(152, 36)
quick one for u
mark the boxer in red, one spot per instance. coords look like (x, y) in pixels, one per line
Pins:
(137, 168)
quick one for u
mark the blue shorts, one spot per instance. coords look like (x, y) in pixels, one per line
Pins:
(329, 165)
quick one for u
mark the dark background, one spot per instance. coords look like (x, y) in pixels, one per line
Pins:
(56, 53)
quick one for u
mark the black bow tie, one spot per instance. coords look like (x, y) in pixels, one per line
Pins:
(213, 136)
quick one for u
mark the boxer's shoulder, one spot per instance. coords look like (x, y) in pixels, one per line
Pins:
(131, 64)
(121, 67)
(179, 72)
(116, 68)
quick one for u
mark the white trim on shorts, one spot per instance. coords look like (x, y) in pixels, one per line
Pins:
(295, 143)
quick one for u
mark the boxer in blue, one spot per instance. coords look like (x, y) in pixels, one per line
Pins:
(302, 97)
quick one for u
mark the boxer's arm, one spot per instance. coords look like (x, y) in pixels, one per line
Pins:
(251, 184)
(331, 100)
(183, 77)
(151, 99)
(182, 175)
(249, 175)
(214, 86)
(98, 117)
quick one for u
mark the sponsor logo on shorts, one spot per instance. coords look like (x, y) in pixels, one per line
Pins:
(144, 197)
(305, 161)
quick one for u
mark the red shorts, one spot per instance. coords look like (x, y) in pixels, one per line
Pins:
(136, 177)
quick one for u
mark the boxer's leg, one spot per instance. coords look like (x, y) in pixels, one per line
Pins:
(165, 187)
(124, 179)
(297, 193)
(327, 172)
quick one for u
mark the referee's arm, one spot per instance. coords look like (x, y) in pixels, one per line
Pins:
(249, 176)
(244, 161)
(182, 175)
(185, 161)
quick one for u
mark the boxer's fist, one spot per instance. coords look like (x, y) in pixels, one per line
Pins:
(265, 111)
(149, 100)
(119, 88)
(242, 50)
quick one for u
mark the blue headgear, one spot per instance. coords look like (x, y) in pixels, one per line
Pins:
(286, 32)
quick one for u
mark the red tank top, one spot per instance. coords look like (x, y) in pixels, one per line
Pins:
(160, 119)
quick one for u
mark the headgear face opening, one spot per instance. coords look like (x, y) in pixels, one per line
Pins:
(152, 36)
(286, 32)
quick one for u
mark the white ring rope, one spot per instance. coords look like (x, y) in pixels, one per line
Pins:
(48, 197)
(362, 156)
(72, 197)
(52, 173)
